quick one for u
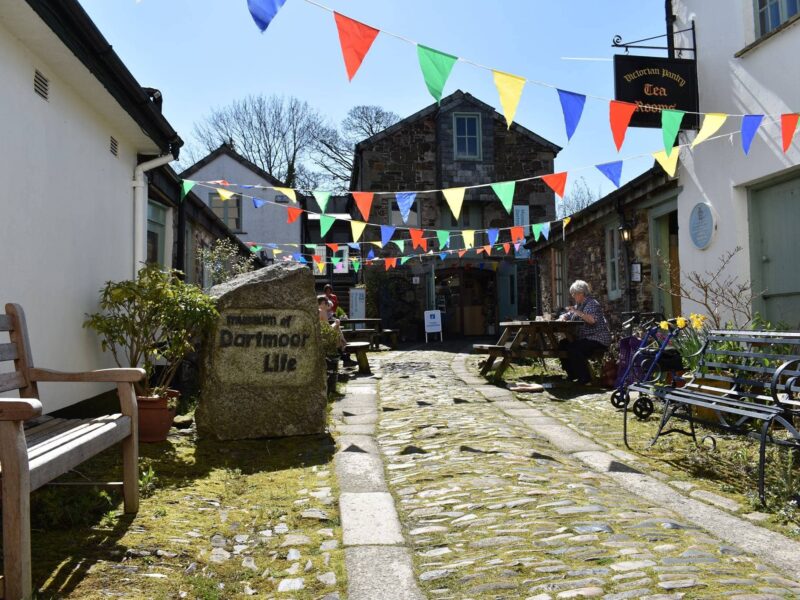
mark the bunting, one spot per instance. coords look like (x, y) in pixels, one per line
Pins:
(288, 192)
(788, 127)
(509, 87)
(405, 200)
(505, 192)
(564, 224)
(711, 124)
(461, 253)
(225, 195)
(258, 202)
(572, 107)
(322, 199)
(612, 170)
(517, 233)
(455, 199)
(442, 255)
(506, 247)
(750, 125)
(619, 115)
(387, 231)
(333, 246)
(321, 266)
(436, 67)
(363, 202)
(536, 230)
(443, 237)
(670, 125)
(186, 187)
(546, 230)
(492, 234)
(292, 213)
(325, 223)
(557, 182)
(356, 265)
(356, 40)
(263, 11)
(488, 249)
(401, 244)
(469, 237)
(357, 228)
(668, 162)
(390, 262)
(417, 241)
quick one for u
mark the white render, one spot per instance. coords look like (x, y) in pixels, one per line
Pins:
(259, 225)
(66, 213)
(764, 80)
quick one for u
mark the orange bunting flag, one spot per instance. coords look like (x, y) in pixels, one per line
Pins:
(355, 39)
(390, 263)
(488, 249)
(620, 114)
(292, 213)
(317, 258)
(517, 234)
(480, 251)
(363, 202)
(333, 247)
(788, 127)
(417, 241)
(506, 247)
(461, 253)
(557, 182)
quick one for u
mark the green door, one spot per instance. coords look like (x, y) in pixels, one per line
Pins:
(774, 220)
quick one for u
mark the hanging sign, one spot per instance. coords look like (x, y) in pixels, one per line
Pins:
(654, 84)
(702, 225)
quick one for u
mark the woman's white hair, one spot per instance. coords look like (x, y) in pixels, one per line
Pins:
(580, 287)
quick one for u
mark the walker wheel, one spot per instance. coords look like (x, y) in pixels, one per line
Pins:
(643, 407)
(619, 398)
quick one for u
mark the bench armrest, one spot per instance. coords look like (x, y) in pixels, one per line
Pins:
(19, 409)
(100, 376)
(776, 380)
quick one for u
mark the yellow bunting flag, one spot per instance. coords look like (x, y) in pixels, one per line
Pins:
(288, 192)
(275, 252)
(321, 266)
(510, 89)
(711, 124)
(455, 198)
(469, 237)
(358, 228)
(224, 194)
(564, 224)
(668, 163)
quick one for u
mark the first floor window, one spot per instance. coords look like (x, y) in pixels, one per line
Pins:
(320, 268)
(770, 14)
(467, 135)
(156, 233)
(397, 218)
(229, 211)
(559, 297)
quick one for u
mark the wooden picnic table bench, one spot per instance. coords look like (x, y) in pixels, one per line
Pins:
(32, 456)
(744, 379)
(360, 350)
(371, 331)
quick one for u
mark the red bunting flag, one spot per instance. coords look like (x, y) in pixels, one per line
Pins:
(363, 202)
(417, 240)
(620, 114)
(461, 253)
(517, 234)
(557, 182)
(788, 127)
(334, 247)
(488, 249)
(317, 258)
(292, 213)
(356, 39)
(390, 263)
(480, 251)
(507, 247)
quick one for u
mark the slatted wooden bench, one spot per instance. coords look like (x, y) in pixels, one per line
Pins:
(744, 379)
(33, 456)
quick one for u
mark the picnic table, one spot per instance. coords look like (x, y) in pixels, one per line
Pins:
(526, 339)
(371, 331)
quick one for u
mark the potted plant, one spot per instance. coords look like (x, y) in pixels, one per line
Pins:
(152, 322)
(330, 345)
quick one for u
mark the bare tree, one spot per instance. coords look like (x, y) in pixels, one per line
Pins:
(579, 197)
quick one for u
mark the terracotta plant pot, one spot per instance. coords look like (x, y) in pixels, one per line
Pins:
(155, 418)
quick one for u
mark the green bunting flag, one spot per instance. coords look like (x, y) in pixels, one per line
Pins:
(670, 124)
(536, 230)
(336, 260)
(356, 265)
(186, 187)
(322, 199)
(505, 191)
(404, 259)
(400, 244)
(325, 223)
(436, 67)
(444, 238)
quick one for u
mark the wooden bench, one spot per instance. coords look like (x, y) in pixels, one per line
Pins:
(744, 378)
(360, 350)
(372, 336)
(32, 457)
(390, 335)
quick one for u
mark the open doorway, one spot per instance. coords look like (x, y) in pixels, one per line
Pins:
(666, 265)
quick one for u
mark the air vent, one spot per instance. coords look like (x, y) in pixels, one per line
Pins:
(114, 146)
(41, 85)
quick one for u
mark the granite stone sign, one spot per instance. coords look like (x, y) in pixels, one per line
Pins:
(263, 370)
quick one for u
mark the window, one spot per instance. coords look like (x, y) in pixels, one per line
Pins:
(230, 211)
(321, 251)
(559, 297)
(397, 218)
(522, 217)
(612, 263)
(772, 13)
(467, 135)
(156, 233)
(344, 265)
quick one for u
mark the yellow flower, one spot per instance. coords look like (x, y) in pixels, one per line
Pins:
(664, 325)
(681, 322)
(697, 320)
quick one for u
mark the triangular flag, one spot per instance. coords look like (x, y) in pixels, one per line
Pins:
(387, 231)
(493, 234)
(186, 187)
(517, 246)
(557, 182)
(404, 259)
(788, 127)
(322, 199)
(310, 246)
(334, 247)
(436, 67)
(510, 89)
(299, 258)
(321, 266)
(355, 39)
(316, 258)
(276, 251)
(572, 106)
(517, 233)
(536, 230)
(668, 162)
(455, 198)
(619, 115)
(612, 170)
(546, 230)
(469, 237)
(670, 125)
(417, 240)
(488, 249)
(325, 223)
(363, 202)
(376, 244)
(461, 253)
(355, 245)
(401, 244)
(292, 213)
(565, 222)
(390, 263)
(405, 200)
(288, 192)
(356, 265)
(258, 202)
(444, 238)
(224, 195)
(443, 255)
(711, 124)
(335, 260)
(357, 227)
(371, 254)
(750, 124)
(263, 11)
(507, 247)
(480, 251)
(505, 191)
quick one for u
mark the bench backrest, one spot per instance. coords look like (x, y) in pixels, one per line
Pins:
(746, 361)
(18, 350)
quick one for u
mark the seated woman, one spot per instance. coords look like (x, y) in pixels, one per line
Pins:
(593, 334)
(326, 316)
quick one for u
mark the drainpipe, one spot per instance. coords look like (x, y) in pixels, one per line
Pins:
(140, 207)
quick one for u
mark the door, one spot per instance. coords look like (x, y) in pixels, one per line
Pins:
(774, 216)
(507, 291)
(666, 265)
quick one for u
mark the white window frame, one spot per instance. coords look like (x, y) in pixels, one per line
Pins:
(783, 14)
(343, 268)
(613, 279)
(522, 217)
(234, 205)
(479, 137)
(156, 211)
(414, 218)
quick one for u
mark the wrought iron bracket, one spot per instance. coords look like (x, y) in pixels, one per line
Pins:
(617, 42)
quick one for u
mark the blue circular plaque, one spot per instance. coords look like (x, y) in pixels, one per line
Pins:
(702, 225)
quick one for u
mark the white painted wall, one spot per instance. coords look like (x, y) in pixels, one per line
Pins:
(260, 225)
(765, 80)
(66, 215)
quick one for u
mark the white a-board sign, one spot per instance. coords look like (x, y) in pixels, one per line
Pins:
(433, 323)
(358, 305)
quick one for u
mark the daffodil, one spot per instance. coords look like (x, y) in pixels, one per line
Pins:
(664, 325)
(681, 322)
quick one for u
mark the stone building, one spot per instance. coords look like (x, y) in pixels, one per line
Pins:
(460, 142)
(593, 248)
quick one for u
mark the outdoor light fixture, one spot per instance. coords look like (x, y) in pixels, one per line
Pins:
(625, 232)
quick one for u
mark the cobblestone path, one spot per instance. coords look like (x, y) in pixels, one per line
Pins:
(491, 511)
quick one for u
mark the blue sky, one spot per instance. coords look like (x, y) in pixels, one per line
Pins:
(205, 53)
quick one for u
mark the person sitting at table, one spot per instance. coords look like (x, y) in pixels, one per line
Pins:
(325, 309)
(593, 334)
(332, 298)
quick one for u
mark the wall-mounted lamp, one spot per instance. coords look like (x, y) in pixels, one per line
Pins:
(625, 232)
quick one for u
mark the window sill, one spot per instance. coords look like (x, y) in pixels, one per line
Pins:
(785, 25)
(468, 158)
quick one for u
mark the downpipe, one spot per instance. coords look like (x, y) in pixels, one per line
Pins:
(140, 207)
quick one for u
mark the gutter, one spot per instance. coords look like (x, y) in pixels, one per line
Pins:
(140, 208)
